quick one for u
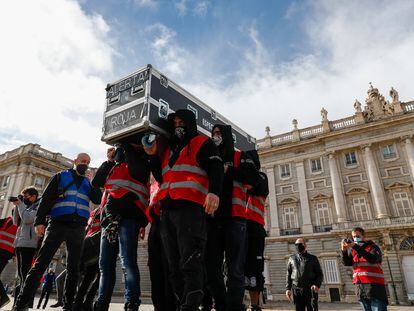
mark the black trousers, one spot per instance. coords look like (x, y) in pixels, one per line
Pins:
(254, 257)
(302, 298)
(89, 285)
(44, 295)
(60, 284)
(3, 264)
(24, 256)
(161, 290)
(56, 233)
(183, 233)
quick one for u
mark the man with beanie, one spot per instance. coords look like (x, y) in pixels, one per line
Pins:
(190, 174)
(66, 201)
(303, 278)
(226, 230)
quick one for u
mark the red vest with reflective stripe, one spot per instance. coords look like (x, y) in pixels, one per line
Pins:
(120, 183)
(7, 235)
(239, 197)
(365, 272)
(154, 205)
(94, 222)
(256, 209)
(186, 180)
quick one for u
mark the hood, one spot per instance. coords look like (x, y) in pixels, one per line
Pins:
(253, 156)
(227, 148)
(189, 120)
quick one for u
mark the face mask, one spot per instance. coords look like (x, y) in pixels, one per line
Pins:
(179, 132)
(218, 140)
(300, 247)
(81, 169)
(358, 239)
(119, 156)
(27, 201)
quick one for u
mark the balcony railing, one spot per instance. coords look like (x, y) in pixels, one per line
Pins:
(376, 223)
(293, 231)
(326, 228)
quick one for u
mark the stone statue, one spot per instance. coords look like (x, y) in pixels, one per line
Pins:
(324, 114)
(295, 124)
(357, 106)
(267, 130)
(394, 95)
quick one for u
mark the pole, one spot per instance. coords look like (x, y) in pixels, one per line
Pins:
(392, 280)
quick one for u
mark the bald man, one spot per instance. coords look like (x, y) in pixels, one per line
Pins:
(65, 203)
(303, 278)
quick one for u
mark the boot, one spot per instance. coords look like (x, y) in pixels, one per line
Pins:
(131, 306)
(58, 304)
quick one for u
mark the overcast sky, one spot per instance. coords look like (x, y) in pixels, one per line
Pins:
(259, 63)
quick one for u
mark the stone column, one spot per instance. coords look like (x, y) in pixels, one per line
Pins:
(337, 189)
(409, 151)
(273, 209)
(375, 184)
(304, 201)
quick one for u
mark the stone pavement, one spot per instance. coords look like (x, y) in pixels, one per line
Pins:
(275, 307)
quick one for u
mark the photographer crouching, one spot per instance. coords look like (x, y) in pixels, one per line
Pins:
(365, 257)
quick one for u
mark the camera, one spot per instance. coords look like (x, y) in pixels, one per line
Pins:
(15, 199)
(347, 240)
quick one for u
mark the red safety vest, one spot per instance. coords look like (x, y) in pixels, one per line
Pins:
(94, 222)
(238, 206)
(154, 205)
(365, 272)
(120, 183)
(7, 235)
(186, 180)
(256, 209)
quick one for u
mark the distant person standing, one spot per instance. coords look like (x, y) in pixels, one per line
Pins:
(49, 282)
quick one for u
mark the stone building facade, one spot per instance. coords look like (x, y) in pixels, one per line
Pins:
(326, 179)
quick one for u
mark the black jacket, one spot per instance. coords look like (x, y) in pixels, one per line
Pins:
(366, 291)
(52, 192)
(139, 169)
(207, 157)
(245, 173)
(303, 271)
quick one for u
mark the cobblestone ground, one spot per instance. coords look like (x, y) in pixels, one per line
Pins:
(275, 307)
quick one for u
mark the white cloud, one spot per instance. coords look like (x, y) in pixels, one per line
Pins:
(181, 7)
(353, 43)
(201, 8)
(153, 4)
(52, 67)
(168, 54)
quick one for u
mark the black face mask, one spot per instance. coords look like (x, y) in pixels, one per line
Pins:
(300, 247)
(27, 202)
(81, 169)
(119, 156)
(179, 132)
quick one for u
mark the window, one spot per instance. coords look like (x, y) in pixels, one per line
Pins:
(331, 271)
(388, 152)
(284, 170)
(316, 165)
(402, 204)
(350, 158)
(5, 183)
(39, 182)
(360, 209)
(289, 214)
(323, 217)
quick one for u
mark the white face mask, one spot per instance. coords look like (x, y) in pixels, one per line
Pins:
(218, 140)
